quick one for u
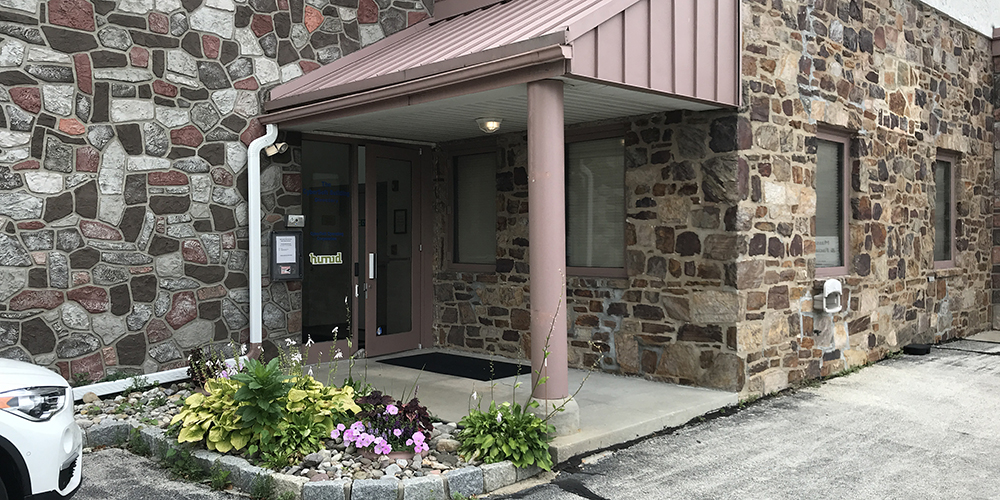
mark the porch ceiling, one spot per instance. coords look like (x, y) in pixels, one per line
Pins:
(454, 118)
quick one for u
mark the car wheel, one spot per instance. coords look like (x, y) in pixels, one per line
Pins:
(3, 490)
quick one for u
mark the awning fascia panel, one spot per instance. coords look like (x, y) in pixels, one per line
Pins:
(546, 62)
(505, 54)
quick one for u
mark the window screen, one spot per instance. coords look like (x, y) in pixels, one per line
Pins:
(829, 204)
(475, 209)
(595, 204)
(942, 210)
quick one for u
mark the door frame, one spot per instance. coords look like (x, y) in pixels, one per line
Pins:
(412, 339)
(423, 257)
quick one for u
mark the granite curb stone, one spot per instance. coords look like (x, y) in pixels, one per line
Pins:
(467, 481)
(498, 475)
(325, 490)
(432, 487)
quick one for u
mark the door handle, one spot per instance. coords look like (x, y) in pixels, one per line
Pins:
(371, 265)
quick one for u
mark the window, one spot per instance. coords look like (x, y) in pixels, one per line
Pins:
(832, 250)
(595, 204)
(943, 200)
(475, 209)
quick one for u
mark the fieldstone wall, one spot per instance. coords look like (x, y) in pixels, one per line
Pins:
(996, 178)
(672, 315)
(123, 134)
(907, 81)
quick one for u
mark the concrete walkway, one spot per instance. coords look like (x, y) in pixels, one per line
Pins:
(613, 409)
(910, 427)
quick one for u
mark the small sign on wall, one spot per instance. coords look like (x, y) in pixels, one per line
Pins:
(828, 251)
(286, 255)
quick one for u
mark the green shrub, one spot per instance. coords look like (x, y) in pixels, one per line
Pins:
(264, 411)
(506, 432)
(260, 397)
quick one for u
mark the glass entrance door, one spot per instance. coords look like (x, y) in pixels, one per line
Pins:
(361, 247)
(391, 250)
(328, 286)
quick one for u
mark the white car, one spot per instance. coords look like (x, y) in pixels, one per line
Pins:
(41, 447)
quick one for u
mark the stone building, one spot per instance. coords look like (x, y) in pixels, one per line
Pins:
(714, 166)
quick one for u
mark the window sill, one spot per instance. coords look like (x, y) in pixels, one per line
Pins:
(596, 272)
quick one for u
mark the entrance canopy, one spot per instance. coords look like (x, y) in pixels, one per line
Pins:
(474, 57)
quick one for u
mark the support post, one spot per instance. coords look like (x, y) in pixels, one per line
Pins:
(547, 254)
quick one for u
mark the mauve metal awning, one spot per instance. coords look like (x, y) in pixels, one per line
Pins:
(617, 57)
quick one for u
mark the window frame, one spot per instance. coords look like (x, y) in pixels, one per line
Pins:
(952, 159)
(449, 238)
(844, 139)
(610, 131)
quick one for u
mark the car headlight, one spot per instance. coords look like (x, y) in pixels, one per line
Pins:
(34, 403)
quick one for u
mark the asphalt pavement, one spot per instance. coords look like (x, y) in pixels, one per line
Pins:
(115, 474)
(913, 427)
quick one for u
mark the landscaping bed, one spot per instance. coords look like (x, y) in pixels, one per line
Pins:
(139, 420)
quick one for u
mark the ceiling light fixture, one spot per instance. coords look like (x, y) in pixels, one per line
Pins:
(489, 125)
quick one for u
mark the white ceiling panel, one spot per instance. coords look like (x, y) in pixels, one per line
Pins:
(455, 118)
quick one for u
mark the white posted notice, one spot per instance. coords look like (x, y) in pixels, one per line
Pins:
(284, 249)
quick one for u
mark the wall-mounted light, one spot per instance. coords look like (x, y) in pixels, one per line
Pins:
(276, 148)
(489, 125)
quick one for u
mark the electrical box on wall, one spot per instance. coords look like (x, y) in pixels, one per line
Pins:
(286, 255)
(295, 221)
(829, 301)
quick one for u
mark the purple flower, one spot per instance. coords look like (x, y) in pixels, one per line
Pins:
(391, 409)
(340, 427)
(334, 434)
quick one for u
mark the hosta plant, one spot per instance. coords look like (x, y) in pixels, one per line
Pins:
(312, 411)
(264, 411)
(213, 418)
(506, 432)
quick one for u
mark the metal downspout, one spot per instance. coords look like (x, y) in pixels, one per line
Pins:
(253, 177)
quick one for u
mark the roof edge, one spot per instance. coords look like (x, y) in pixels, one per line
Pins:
(595, 16)
(291, 86)
(486, 56)
(546, 62)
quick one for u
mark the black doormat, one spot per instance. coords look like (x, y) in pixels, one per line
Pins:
(459, 366)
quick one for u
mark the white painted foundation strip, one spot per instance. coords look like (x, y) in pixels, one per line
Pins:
(116, 386)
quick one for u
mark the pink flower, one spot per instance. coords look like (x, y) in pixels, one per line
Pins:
(418, 437)
(391, 409)
(334, 434)
(350, 435)
(397, 432)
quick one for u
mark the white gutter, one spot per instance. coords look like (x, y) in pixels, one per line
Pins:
(253, 175)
